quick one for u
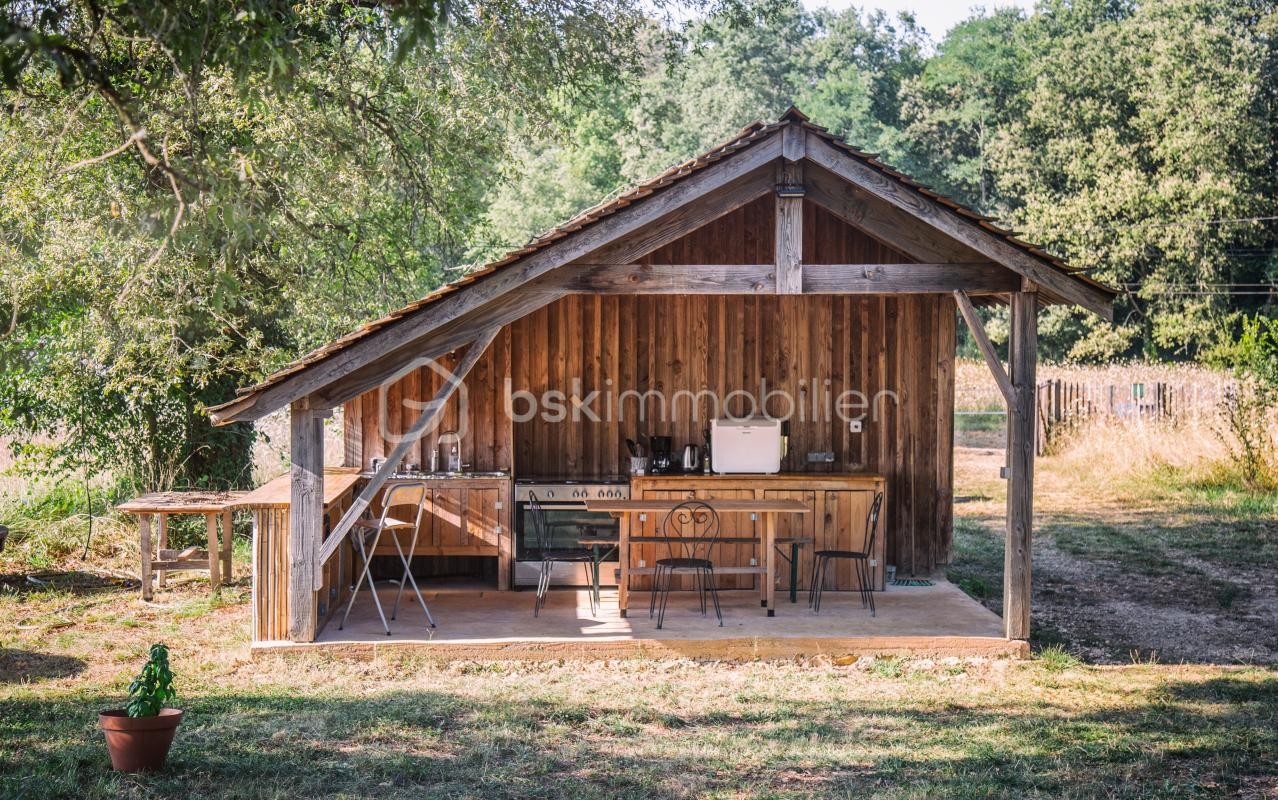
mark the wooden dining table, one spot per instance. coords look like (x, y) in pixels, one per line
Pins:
(767, 510)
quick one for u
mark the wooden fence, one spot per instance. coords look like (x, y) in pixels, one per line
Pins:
(1065, 405)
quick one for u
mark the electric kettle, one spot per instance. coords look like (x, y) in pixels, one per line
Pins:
(691, 458)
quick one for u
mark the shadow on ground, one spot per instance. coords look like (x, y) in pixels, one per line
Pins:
(25, 666)
(73, 581)
(1139, 588)
(1187, 739)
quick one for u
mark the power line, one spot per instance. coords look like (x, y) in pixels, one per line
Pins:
(1169, 224)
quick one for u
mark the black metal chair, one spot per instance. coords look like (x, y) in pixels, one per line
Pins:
(690, 530)
(860, 559)
(550, 555)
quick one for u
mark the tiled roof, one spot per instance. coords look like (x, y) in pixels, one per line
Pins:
(748, 136)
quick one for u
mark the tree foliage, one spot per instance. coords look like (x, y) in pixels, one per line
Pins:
(1135, 139)
(194, 192)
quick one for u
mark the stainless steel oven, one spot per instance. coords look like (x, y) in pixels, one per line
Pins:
(567, 521)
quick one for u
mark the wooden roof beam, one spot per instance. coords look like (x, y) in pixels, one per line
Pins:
(395, 364)
(590, 239)
(957, 228)
(789, 227)
(886, 223)
(980, 278)
(687, 218)
(726, 279)
(667, 279)
(983, 343)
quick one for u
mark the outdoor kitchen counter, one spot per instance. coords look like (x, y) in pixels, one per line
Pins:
(838, 504)
(465, 515)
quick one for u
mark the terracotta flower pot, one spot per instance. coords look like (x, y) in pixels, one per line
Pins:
(139, 744)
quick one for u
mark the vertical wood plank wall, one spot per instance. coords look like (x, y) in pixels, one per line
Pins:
(902, 344)
(270, 574)
(696, 343)
(271, 571)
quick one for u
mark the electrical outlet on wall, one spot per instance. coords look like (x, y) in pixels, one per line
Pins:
(854, 425)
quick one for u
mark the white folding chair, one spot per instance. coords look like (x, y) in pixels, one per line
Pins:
(366, 534)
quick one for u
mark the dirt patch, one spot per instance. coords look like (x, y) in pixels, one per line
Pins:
(1112, 580)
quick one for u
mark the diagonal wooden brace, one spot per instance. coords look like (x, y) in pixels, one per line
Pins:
(392, 462)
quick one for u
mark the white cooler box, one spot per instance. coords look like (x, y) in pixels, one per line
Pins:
(745, 445)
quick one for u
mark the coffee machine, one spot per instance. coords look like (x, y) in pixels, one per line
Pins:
(660, 459)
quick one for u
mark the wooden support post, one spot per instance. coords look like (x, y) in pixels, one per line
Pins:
(161, 576)
(770, 561)
(623, 565)
(1020, 460)
(144, 542)
(306, 517)
(210, 528)
(228, 541)
(789, 238)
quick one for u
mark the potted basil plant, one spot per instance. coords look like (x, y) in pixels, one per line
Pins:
(139, 735)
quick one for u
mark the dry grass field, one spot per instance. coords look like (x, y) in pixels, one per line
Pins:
(1156, 638)
(975, 391)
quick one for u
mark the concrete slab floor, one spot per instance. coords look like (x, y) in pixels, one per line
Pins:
(933, 619)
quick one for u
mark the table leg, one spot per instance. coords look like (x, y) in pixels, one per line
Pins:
(162, 522)
(770, 591)
(594, 577)
(794, 573)
(763, 558)
(144, 539)
(215, 580)
(228, 541)
(623, 557)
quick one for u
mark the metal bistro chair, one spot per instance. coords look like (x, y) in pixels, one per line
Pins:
(690, 530)
(368, 532)
(551, 555)
(860, 558)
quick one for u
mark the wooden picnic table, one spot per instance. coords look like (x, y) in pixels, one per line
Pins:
(768, 509)
(213, 506)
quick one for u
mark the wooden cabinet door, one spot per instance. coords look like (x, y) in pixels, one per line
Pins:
(843, 518)
(483, 517)
(736, 524)
(645, 554)
(445, 515)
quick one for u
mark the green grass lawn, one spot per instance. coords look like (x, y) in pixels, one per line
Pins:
(1134, 722)
(400, 727)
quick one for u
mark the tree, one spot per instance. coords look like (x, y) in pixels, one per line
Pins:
(1144, 155)
(194, 192)
(954, 108)
(744, 63)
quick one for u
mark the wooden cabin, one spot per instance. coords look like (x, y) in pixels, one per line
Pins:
(782, 261)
